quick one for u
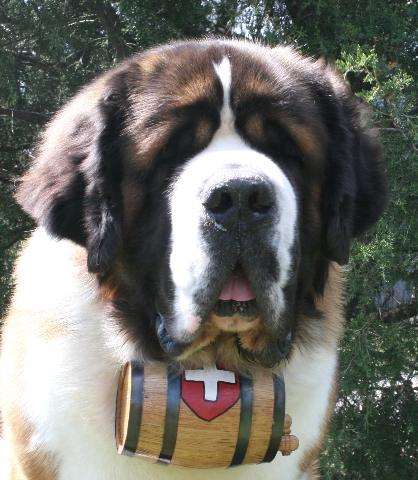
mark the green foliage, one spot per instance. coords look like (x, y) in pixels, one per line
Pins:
(49, 48)
(387, 87)
(376, 423)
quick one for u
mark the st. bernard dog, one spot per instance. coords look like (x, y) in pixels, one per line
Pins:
(194, 205)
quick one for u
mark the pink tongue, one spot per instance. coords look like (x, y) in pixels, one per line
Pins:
(237, 288)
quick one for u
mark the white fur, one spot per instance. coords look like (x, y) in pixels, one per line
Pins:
(227, 156)
(223, 70)
(71, 381)
(5, 464)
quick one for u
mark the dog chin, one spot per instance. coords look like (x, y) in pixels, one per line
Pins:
(238, 341)
(230, 351)
(235, 323)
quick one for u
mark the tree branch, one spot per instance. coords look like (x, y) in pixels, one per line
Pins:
(395, 315)
(38, 62)
(6, 179)
(389, 130)
(27, 116)
(112, 24)
(299, 12)
(404, 312)
(8, 149)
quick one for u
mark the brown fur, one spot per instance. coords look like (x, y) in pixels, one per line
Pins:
(307, 140)
(30, 465)
(27, 464)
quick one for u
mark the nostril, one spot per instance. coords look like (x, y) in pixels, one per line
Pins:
(244, 201)
(220, 201)
(260, 200)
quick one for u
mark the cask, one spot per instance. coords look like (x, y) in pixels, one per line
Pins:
(203, 418)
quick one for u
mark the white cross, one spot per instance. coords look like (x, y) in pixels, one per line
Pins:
(210, 376)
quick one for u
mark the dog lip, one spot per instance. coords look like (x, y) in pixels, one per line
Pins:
(168, 344)
(246, 310)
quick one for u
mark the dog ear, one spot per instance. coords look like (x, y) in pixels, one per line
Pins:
(73, 187)
(356, 187)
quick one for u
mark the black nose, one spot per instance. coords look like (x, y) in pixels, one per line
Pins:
(241, 200)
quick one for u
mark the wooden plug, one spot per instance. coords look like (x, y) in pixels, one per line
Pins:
(288, 443)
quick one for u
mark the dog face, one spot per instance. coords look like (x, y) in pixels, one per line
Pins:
(211, 184)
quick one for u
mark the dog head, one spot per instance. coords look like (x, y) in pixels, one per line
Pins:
(211, 184)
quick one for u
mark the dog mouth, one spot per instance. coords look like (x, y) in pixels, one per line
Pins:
(235, 316)
(237, 297)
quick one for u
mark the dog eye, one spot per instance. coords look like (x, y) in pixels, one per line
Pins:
(188, 139)
(280, 140)
(181, 144)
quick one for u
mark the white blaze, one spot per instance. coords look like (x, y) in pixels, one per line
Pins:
(223, 71)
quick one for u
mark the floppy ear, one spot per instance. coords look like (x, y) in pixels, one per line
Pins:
(73, 187)
(355, 184)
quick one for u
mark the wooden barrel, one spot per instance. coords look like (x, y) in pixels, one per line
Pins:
(201, 418)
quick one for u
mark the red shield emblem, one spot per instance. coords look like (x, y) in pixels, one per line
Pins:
(210, 392)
